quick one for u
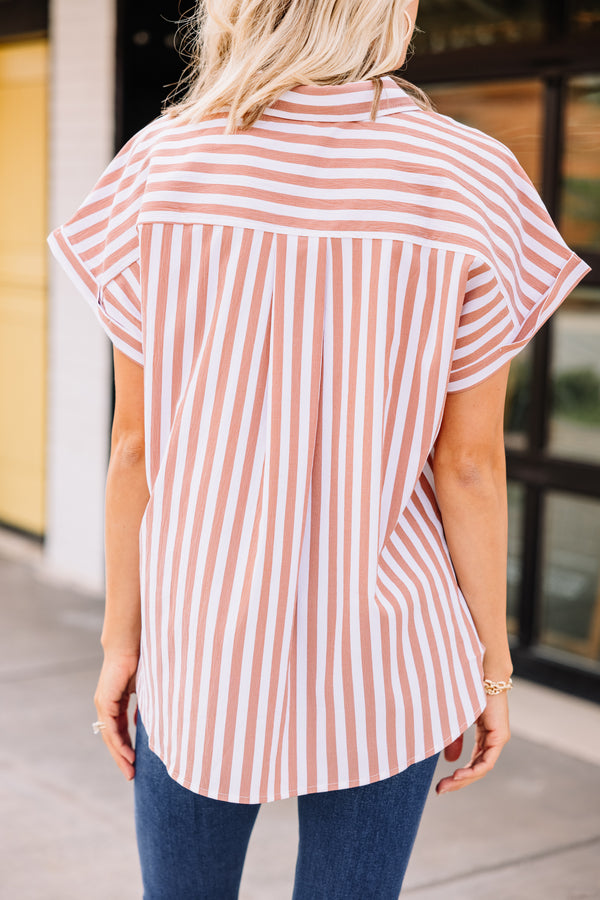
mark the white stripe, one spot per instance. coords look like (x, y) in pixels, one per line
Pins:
(376, 400)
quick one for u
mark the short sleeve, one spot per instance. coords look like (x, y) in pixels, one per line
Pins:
(98, 246)
(524, 273)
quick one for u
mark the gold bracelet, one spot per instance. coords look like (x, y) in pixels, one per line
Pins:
(496, 687)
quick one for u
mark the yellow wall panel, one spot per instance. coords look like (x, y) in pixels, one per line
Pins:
(23, 160)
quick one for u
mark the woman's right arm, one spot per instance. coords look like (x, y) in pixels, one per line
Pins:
(469, 468)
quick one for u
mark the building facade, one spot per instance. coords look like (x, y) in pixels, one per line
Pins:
(76, 80)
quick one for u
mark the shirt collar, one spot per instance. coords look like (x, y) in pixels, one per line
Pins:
(350, 102)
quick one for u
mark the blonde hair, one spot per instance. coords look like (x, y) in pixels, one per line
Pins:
(246, 53)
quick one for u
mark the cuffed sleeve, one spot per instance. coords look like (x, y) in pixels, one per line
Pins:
(98, 247)
(523, 273)
(492, 330)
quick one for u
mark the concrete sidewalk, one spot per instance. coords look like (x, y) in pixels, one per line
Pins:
(530, 829)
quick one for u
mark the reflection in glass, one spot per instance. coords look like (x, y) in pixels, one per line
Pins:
(570, 595)
(511, 111)
(516, 511)
(585, 15)
(580, 223)
(518, 396)
(477, 23)
(575, 377)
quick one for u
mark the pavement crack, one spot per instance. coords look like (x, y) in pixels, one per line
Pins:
(507, 864)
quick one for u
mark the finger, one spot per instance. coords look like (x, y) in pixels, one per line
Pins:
(125, 737)
(114, 713)
(117, 728)
(450, 784)
(453, 750)
(121, 740)
(122, 762)
(455, 783)
(478, 747)
(126, 768)
(468, 774)
(478, 768)
(116, 737)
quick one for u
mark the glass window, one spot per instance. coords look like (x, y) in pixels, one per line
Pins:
(575, 377)
(580, 222)
(518, 394)
(570, 589)
(448, 26)
(585, 14)
(511, 111)
(516, 512)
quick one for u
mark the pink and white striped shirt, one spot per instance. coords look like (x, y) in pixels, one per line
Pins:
(302, 296)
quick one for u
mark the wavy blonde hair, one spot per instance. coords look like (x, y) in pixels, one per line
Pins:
(245, 53)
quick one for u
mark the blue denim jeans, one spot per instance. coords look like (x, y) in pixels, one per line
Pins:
(354, 843)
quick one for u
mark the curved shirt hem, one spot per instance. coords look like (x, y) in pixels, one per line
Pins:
(436, 747)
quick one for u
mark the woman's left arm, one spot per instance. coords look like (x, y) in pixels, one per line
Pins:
(126, 499)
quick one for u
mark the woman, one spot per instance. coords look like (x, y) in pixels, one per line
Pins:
(314, 285)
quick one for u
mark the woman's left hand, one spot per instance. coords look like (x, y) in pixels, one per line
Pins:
(115, 685)
(492, 732)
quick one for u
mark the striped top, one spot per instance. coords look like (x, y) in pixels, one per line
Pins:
(302, 296)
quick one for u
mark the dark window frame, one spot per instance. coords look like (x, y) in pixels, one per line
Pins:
(23, 19)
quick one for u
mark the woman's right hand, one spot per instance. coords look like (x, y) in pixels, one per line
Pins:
(492, 732)
(115, 685)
